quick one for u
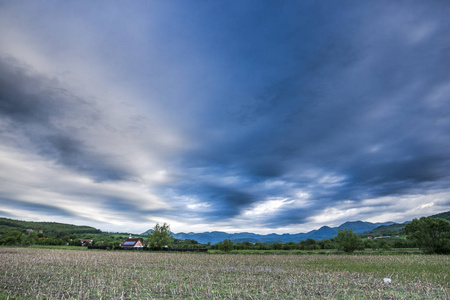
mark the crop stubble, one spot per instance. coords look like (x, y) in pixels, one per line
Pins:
(41, 273)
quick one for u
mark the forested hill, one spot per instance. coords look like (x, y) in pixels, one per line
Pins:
(396, 229)
(444, 215)
(47, 227)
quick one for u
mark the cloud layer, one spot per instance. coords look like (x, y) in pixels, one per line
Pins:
(263, 117)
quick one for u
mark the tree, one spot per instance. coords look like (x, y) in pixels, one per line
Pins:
(277, 246)
(225, 245)
(326, 244)
(29, 239)
(160, 236)
(288, 246)
(348, 241)
(11, 238)
(431, 234)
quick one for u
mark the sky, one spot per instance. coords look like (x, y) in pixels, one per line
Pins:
(236, 116)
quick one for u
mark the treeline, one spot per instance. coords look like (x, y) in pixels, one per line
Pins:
(310, 244)
(431, 235)
(174, 249)
(188, 243)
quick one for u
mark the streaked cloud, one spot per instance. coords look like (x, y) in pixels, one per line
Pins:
(263, 117)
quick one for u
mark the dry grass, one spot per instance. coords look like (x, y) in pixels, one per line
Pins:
(58, 274)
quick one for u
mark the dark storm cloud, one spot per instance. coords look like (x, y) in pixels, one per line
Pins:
(357, 103)
(275, 111)
(125, 206)
(292, 216)
(35, 107)
(127, 209)
(72, 153)
(223, 202)
(22, 95)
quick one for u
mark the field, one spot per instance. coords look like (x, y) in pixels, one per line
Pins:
(58, 274)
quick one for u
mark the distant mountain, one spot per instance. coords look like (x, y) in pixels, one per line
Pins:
(397, 229)
(324, 232)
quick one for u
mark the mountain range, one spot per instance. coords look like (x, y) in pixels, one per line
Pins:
(323, 232)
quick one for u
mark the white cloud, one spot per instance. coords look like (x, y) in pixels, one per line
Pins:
(267, 207)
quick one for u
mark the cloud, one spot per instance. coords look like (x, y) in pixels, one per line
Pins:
(233, 115)
(74, 130)
(43, 208)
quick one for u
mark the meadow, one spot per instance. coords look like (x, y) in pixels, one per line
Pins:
(61, 274)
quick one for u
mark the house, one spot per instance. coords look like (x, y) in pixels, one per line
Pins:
(29, 230)
(84, 242)
(133, 243)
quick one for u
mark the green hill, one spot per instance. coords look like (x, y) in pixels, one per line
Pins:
(397, 229)
(48, 227)
(391, 230)
(444, 215)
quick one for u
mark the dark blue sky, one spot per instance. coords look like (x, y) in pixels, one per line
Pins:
(262, 116)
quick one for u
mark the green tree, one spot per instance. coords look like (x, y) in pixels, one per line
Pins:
(225, 245)
(348, 241)
(277, 246)
(159, 237)
(432, 235)
(11, 238)
(326, 244)
(76, 242)
(29, 239)
(288, 246)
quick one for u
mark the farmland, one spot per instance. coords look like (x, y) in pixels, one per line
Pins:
(55, 274)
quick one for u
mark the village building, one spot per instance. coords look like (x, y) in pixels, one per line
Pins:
(84, 242)
(133, 243)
